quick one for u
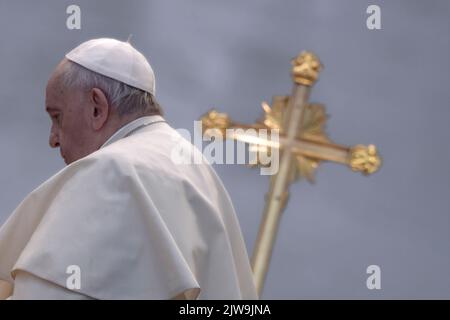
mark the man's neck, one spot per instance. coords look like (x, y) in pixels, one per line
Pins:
(123, 124)
(114, 124)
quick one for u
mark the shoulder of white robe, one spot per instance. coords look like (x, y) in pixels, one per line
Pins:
(89, 225)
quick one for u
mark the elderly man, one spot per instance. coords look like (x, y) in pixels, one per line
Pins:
(122, 220)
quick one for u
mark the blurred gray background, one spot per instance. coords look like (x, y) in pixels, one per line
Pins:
(388, 87)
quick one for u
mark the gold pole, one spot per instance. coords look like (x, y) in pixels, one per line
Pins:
(305, 72)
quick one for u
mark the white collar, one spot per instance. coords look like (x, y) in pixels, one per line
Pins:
(132, 126)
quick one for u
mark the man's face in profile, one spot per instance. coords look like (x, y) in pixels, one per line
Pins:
(69, 129)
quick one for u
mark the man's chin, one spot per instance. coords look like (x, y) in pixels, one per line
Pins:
(69, 159)
(63, 156)
(66, 159)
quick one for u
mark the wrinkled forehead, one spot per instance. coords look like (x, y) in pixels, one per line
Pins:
(55, 91)
(56, 75)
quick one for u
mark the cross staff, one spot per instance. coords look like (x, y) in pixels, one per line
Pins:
(303, 144)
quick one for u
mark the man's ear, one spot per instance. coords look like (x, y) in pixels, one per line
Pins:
(99, 110)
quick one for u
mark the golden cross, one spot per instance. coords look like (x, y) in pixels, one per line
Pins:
(303, 144)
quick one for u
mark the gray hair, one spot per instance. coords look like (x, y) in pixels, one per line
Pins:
(124, 98)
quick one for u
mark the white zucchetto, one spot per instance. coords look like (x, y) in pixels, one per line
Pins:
(117, 60)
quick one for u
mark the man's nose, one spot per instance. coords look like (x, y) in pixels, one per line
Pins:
(53, 140)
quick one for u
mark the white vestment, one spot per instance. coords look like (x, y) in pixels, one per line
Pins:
(137, 224)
